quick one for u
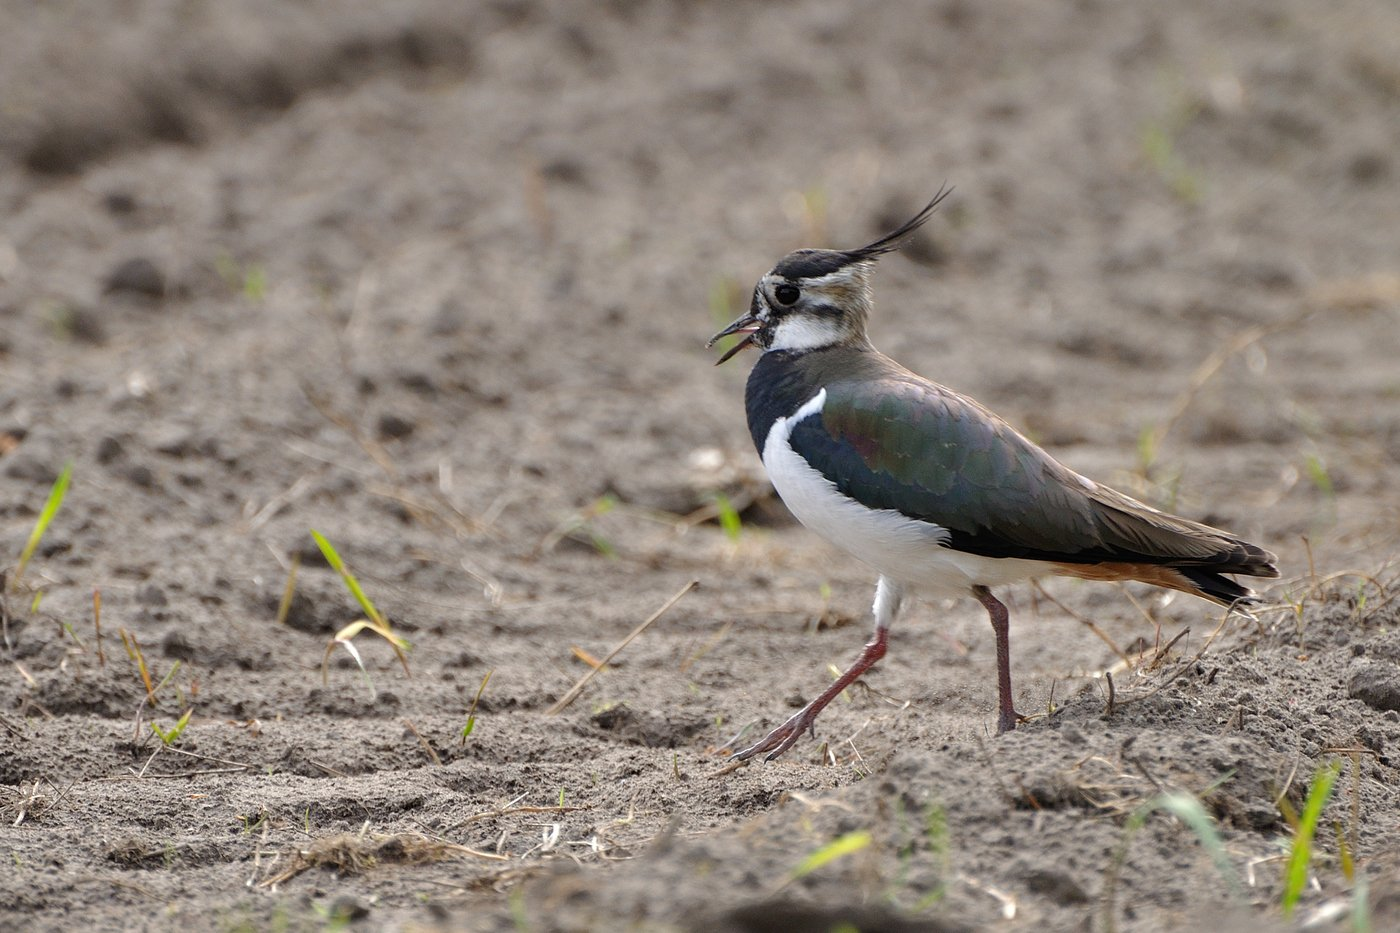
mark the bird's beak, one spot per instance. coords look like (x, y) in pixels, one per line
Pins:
(747, 325)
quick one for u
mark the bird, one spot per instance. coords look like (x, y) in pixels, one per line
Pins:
(940, 496)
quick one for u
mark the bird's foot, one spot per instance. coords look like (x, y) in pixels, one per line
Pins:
(1007, 720)
(784, 737)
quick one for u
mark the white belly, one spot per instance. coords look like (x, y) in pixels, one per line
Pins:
(910, 551)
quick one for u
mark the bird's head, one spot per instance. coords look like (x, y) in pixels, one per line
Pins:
(816, 298)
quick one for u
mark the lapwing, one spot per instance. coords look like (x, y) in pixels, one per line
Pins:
(936, 493)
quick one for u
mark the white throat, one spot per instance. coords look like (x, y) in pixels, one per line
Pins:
(805, 332)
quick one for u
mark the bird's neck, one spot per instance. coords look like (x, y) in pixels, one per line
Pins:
(784, 380)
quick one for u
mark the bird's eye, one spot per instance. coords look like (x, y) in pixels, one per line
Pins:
(786, 294)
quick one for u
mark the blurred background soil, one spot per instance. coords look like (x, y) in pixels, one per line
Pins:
(433, 278)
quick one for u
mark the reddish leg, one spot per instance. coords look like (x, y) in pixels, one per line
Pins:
(786, 735)
(1007, 715)
(887, 599)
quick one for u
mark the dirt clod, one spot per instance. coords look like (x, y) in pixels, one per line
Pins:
(137, 276)
(1377, 684)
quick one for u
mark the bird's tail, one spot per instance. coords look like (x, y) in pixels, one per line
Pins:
(1217, 588)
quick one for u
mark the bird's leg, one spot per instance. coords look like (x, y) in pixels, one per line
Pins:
(1007, 715)
(887, 599)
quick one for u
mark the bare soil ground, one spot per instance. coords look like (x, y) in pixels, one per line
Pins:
(433, 279)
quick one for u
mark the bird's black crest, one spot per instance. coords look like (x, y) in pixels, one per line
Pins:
(891, 241)
(814, 263)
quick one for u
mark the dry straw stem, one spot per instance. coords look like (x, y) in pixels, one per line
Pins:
(513, 810)
(372, 448)
(354, 853)
(574, 691)
(97, 625)
(138, 657)
(34, 803)
(289, 591)
(427, 747)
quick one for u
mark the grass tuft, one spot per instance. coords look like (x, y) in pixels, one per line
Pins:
(376, 622)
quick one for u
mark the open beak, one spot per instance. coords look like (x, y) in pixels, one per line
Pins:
(747, 325)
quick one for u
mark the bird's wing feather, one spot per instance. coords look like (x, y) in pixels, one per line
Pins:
(907, 444)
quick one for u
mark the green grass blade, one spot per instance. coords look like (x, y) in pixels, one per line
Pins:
(56, 494)
(471, 713)
(729, 519)
(171, 736)
(1295, 874)
(351, 584)
(837, 848)
(169, 676)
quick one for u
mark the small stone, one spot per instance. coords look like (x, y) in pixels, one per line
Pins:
(1261, 814)
(139, 276)
(119, 202)
(418, 382)
(393, 427)
(566, 169)
(176, 442)
(1055, 884)
(28, 465)
(448, 320)
(83, 324)
(348, 907)
(108, 450)
(177, 647)
(151, 595)
(141, 475)
(1367, 168)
